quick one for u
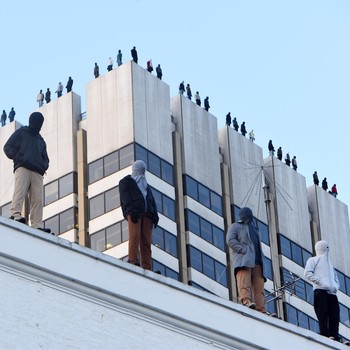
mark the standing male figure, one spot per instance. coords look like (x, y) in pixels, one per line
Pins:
(198, 98)
(3, 118)
(59, 89)
(12, 115)
(119, 58)
(96, 71)
(159, 72)
(321, 273)
(315, 178)
(48, 95)
(140, 210)
(243, 238)
(69, 84)
(40, 98)
(27, 149)
(134, 54)
(206, 104)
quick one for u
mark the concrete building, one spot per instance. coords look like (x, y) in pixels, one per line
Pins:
(200, 176)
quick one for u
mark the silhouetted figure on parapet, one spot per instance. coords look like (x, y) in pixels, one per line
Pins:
(198, 99)
(48, 96)
(110, 64)
(206, 104)
(271, 148)
(12, 115)
(96, 71)
(119, 58)
(182, 88)
(315, 178)
(287, 159)
(40, 98)
(325, 184)
(3, 118)
(149, 66)
(69, 84)
(252, 136)
(279, 153)
(228, 119)
(159, 72)
(134, 54)
(334, 190)
(59, 89)
(294, 163)
(235, 124)
(243, 129)
(188, 91)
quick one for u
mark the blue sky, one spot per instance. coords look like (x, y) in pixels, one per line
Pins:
(282, 66)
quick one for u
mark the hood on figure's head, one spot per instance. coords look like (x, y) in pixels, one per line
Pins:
(246, 215)
(36, 121)
(138, 168)
(321, 247)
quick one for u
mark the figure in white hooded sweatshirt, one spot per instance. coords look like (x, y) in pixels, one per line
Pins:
(320, 271)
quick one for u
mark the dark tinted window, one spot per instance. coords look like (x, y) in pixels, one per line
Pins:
(66, 185)
(193, 222)
(111, 163)
(216, 203)
(170, 244)
(218, 238)
(167, 172)
(191, 187)
(154, 164)
(97, 206)
(98, 241)
(51, 192)
(67, 220)
(203, 195)
(126, 156)
(196, 259)
(206, 230)
(96, 170)
(285, 247)
(112, 199)
(208, 266)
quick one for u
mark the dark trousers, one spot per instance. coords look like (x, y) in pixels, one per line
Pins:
(327, 311)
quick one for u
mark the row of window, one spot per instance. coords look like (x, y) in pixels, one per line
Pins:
(293, 251)
(155, 165)
(111, 163)
(207, 265)
(259, 225)
(202, 194)
(164, 270)
(110, 236)
(205, 229)
(60, 188)
(165, 240)
(104, 202)
(62, 222)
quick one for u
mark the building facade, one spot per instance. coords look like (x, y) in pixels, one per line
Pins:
(200, 176)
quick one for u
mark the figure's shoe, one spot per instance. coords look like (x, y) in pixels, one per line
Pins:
(134, 263)
(47, 230)
(250, 304)
(20, 219)
(346, 342)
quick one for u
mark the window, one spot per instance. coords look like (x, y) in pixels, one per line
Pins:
(97, 206)
(216, 203)
(297, 254)
(154, 164)
(164, 240)
(62, 222)
(264, 232)
(165, 204)
(167, 172)
(193, 222)
(191, 187)
(203, 195)
(220, 273)
(158, 238)
(206, 230)
(292, 314)
(95, 170)
(67, 185)
(164, 270)
(196, 259)
(126, 156)
(98, 241)
(218, 238)
(112, 199)
(208, 266)
(268, 268)
(141, 154)
(53, 224)
(285, 247)
(344, 315)
(51, 192)
(341, 278)
(111, 163)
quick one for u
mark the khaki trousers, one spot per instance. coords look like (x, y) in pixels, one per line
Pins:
(250, 284)
(31, 183)
(140, 239)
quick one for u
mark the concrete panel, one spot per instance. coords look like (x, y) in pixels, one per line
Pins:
(200, 145)
(245, 160)
(332, 217)
(292, 201)
(59, 130)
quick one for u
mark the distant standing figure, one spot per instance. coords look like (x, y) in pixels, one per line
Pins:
(69, 84)
(334, 190)
(48, 96)
(149, 66)
(12, 115)
(294, 163)
(134, 54)
(40, 98)
(235, 124)
(96, 71)
(287, 159)
(182, 88)
(243, 129)
(3, 118)
(188, 91)
(59, 89)
(315, 178)
(140, 210)
(325, 184)
(159, 72)
(228, 119)
(206, 104)
(320, 272)
(271, 148)
(252, 136)
(198, 99)
(110, 64)
(119, 58)
(279, 153)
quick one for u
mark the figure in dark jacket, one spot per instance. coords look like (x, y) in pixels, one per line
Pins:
(315, 178)
(159, 72)
(27, 149)
(182, 88)
(48, 95)
(243, 129)
(140, 210)
(287, 159)
(325, 184)
(96, 71)
(134, 54)
(235, 124)
(228, 119)
(3, 118)
(188, 91)
(279, 153)
(271, 148)
(206, 104)
(69, 84)
(12, 115)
